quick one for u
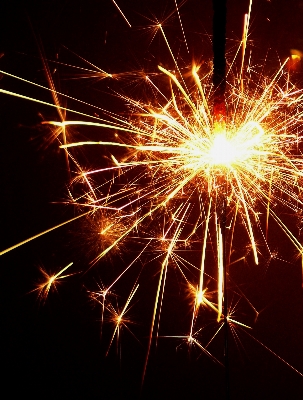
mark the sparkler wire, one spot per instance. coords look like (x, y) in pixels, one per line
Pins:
(219, 110)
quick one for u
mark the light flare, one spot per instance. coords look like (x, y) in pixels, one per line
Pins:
(169, 164)
(51, 281)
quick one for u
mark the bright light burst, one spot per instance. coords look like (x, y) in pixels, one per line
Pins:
(179, 166)
(50, 282)
(174, 171)
(176, 158)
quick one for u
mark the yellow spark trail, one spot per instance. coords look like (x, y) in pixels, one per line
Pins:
(120, 11)
(50, 281)
(43, 233)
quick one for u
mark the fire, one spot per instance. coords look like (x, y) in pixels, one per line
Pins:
(171, 164)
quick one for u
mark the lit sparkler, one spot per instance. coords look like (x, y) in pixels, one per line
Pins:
(172, 164)
(178, 154)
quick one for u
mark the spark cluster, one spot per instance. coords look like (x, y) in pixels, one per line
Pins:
(181, 190)
(180, 171)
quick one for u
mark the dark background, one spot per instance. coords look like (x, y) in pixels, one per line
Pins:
(56, 349)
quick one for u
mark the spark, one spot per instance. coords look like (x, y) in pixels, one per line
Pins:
(120, 11)
(119, 317)
(42, 233)
(51, 281)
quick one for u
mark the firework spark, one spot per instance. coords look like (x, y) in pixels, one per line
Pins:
(181, 157)
(50, 282)
(172, 171)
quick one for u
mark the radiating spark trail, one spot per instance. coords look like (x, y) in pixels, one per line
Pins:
(191, 340)
(272, 352)
(123, 15)
(43, 233)
(21, 96)
(180, 20)
(52, 90)
(244, 42)
(119, 317)
(50, 281)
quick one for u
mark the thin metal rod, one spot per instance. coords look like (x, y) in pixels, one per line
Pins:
(219, 110)
(225, 299)
(219, 67)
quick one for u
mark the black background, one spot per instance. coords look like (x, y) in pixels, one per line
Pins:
(56, 349)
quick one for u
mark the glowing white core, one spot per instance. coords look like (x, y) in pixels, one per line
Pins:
(222, 152)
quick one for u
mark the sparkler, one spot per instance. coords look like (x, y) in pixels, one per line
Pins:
(175, 165)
